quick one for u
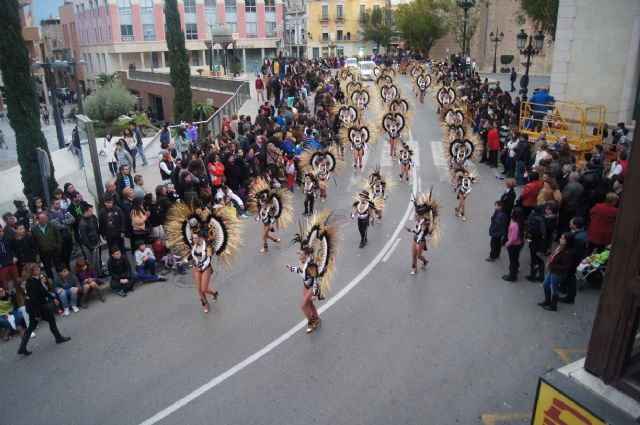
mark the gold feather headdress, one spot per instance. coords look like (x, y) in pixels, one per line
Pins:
(427, 206)
(261, 192)
(221, 226)
(310, 160)
(320, 238)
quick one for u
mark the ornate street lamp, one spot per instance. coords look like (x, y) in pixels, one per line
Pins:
(497, 38)
(51, 83)
(465, 5)
(532, 49)
(72, 69)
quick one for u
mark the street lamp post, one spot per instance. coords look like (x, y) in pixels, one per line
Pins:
(532, 49)
(497, 38)
(465, 5)
(72, 68)
(51, 82)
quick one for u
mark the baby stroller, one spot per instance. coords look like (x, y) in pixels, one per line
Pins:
(591, 270)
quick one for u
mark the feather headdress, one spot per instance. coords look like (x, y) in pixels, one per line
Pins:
(319, 237)
(356, 134)
(221, 226)
(377, 175)
(261, 193)
(310, 160)
(428, 207)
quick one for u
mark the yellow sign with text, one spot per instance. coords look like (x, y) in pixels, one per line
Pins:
(554, 408)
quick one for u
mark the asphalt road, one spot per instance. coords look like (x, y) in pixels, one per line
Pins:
(445, 346)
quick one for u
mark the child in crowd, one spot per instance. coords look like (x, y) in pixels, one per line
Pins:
(146, 263)
(172, 194)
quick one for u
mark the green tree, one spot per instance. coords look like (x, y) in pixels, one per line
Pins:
(103, 79)
(23, 108)
(202, 111)
(543, 14)
(108, 103)
(423, 22)
(377, 26)
(178, 63)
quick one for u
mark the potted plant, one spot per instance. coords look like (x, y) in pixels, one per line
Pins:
(234, 67)
(505, 60)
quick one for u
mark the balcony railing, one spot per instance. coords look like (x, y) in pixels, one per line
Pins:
(127, 38)
(339, 18)
(206, 83)
(324, 18)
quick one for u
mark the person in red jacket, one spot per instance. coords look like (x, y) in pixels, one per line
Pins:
(529, 194)
(216, 172)
(493, 145)
(603, 221)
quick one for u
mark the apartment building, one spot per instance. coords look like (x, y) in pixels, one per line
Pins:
(334, 28)
(112, 35)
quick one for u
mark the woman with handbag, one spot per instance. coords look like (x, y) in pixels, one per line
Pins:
(39, 306)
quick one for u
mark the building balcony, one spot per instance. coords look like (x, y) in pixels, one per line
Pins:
(324, 18)
(127, 38)
(30, 33)
(252, 35)
(339, 18)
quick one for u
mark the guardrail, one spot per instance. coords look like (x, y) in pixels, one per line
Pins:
(197, 82)
(231, 106)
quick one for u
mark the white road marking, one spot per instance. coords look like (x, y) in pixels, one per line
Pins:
(439, 161)
(284, 337)
(393, 248)
(385, 160)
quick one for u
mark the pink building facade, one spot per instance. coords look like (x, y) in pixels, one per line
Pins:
(112, 35)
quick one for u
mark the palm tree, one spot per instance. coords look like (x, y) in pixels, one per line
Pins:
(202, 111)
(107, 80)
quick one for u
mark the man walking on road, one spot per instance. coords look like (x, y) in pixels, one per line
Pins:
(512, 78)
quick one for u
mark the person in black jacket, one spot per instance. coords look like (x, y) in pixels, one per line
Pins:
(112, 222)
(120, 272)
(497, 231)
(37, 298)
(536, 232)
(508, 200)
(89, 236)
(25, 247)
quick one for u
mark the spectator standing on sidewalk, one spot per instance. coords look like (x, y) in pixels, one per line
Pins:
(63, 221)
(260, 89)
(497, 231)
(137, 133)
(8, 260)
(49, 242)
(89, 236)
(512, 78)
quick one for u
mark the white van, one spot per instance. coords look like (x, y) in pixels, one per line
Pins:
(365, 69)
(351, 62)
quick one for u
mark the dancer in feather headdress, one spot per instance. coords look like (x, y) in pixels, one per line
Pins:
(358, 139)
(378, 183)
(422, 83)
(324, 163)
(318, 246)
(463, 189)
(199, 235)
(364, 209)
(427, 225)
(406, 161)
(271, 208)
(393, 124)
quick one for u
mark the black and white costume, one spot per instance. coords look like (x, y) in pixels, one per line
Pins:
(308, 280)
(200, 260)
